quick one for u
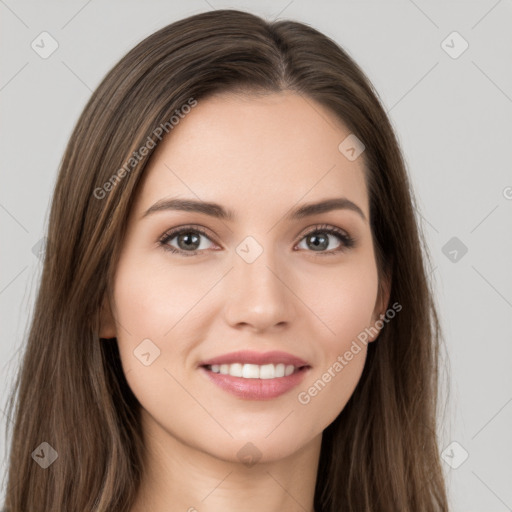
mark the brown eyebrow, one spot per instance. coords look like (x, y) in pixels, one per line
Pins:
(219, 212)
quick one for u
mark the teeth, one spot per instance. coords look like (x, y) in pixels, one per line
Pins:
(254, 371)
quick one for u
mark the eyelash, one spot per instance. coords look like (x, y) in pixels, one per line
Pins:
(347, 242)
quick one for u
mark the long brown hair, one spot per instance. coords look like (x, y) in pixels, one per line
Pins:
(381, 453)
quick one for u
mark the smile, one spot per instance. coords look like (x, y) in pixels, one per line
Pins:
(255, 376)
(254, 371)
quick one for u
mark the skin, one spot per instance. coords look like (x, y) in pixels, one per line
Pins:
(259, 156)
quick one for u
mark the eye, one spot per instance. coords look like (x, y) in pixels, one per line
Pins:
(319, 238)
(188, 239)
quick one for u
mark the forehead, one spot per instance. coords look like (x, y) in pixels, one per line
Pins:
(263, 153)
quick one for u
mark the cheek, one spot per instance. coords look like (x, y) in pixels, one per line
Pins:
(325, 396)
(150, 299)
(156, 302)
(342, 352)
(151, 305)
(344, 301)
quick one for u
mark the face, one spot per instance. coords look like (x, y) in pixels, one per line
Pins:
(258, 282)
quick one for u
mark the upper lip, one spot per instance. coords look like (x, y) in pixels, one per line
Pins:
(259, 358)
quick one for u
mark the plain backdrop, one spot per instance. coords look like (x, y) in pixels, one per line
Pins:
(444, 73)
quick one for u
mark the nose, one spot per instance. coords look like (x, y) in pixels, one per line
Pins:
(259, 295)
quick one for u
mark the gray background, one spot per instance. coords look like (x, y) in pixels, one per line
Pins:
(453, 117)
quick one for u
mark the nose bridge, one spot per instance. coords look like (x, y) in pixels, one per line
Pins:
(257, 293)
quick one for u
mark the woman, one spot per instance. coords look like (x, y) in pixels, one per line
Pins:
(234, 311)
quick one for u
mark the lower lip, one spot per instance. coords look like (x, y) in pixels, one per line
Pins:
(256, 389)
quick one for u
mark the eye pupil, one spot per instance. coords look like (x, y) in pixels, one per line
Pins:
(316, 244)
(186, 237)
(189, 240)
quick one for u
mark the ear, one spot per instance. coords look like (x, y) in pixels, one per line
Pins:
(381, 306)
(107, 324)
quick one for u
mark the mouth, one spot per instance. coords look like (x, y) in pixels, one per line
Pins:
(255, 371)
(255, 382)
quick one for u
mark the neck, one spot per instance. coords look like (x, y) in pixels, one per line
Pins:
(179, 477)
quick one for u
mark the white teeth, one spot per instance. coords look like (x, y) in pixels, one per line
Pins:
(251, 371)
(236, 370)
(254, 371)
(288, 370)
(267, 371)
(280, 370)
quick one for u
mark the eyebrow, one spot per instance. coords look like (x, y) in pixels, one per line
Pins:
(219, 212)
